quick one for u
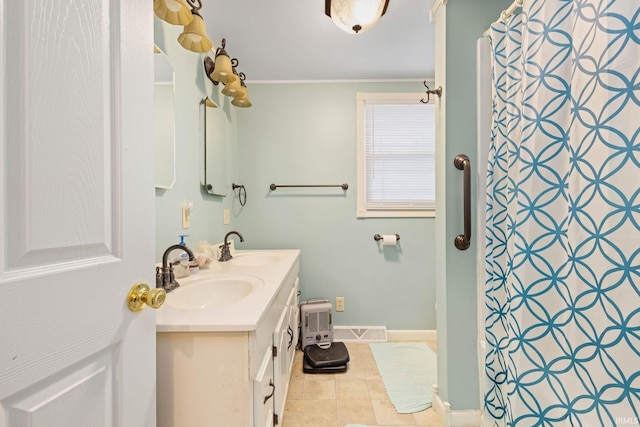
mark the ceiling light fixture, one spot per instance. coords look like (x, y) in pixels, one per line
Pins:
(355, 16)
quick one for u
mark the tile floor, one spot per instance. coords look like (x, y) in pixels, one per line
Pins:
(353, 397)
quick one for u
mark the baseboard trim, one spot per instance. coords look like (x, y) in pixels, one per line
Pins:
(459, 418)
(411, 335)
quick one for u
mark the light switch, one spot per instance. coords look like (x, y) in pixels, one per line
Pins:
(227, 217)
(185, 217)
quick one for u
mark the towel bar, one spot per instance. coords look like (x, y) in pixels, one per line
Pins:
(344, 186)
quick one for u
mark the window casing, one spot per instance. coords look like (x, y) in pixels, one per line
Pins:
(396, 155)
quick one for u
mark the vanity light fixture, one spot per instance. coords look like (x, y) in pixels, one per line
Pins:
(242, 102)
(232, 89)
(223, 69)
(242, 99)
(234, 85)
(355, 16)
(194, 37)
(175, 12)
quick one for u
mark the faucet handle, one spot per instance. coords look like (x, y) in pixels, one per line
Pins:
(158, 277)
(225, 253)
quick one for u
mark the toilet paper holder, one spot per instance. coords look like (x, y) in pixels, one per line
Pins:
(378, 237)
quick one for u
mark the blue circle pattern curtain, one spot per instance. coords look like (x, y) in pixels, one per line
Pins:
(563, 217)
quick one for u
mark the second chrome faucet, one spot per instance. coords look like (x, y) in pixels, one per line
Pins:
(225, 252)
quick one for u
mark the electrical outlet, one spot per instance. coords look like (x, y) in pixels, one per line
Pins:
(226, 217)
(339, 303)
(185, 218)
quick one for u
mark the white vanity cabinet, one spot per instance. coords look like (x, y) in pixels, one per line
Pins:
(209, 377)
(294, 324)
(284, 345)
(264, 388)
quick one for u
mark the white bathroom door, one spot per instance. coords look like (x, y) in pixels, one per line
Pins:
(76, 213)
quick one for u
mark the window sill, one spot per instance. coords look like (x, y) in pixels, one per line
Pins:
(396, 214)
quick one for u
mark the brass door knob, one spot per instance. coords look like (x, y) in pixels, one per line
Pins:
(141, 295)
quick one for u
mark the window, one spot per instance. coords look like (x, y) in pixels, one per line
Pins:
(396, 155)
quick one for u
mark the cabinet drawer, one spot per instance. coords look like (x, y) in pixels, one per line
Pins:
(263, 391)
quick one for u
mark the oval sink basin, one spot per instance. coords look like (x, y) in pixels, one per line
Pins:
(254, 259)
(212, 292)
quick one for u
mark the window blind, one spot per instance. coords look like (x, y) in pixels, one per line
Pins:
(399, 156)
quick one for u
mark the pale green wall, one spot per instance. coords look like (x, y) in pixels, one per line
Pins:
(191, 86)
(458, 376)
(306, 134)
(299, 134)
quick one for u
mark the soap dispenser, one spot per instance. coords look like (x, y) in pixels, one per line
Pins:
(181, 264)
(192, 267)
(184, 257)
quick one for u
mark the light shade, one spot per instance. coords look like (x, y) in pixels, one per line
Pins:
(223, 69)
(242, 102)
(233, 88)
(175, 12)
(242, 96)
(355, 16)
(209, 103)
(241, 92)
(194, 37)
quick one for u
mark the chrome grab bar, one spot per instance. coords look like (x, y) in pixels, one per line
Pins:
(461, 162)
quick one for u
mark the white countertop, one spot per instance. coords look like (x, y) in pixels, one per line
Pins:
(243, 315)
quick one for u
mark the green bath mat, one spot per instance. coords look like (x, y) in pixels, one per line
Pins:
(408, 372)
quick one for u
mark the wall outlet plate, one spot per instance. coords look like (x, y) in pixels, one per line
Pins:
(339, 303)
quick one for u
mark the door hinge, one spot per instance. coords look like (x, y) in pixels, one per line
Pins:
(274, 351)
(275, 419)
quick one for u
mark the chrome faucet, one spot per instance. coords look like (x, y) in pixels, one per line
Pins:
(225, 252)
(165, 279)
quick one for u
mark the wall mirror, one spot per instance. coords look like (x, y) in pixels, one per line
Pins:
(214, 140)
(164, 112)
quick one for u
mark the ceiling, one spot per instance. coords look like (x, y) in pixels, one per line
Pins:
(293, 40)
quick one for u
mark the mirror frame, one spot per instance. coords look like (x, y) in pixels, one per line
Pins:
(164, 151)
(214, 144)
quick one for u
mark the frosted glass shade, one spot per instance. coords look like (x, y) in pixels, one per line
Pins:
(241, 92)
(223, 71)
(175, 12)
(232, 89)
(242, 102)
(356, 16)
(194, 37)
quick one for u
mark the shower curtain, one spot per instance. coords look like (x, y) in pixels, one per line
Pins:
(562, 267)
